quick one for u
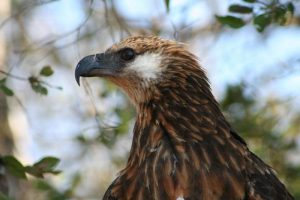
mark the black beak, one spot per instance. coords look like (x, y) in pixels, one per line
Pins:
(95, 65)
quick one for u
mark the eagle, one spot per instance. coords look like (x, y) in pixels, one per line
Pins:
(183, 148)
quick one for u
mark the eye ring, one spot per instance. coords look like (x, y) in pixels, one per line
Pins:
(127, 54)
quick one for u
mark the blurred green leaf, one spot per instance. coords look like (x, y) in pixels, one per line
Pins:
(14, 166)
(76, 180)
(40, 89)
(37, 86)
(82, 139)
(262, 21)
(107, 137)
(46, 71)
(280, 15)
(291, 7)
(45, 165)
(2, 81)
(38, 172)
(167, 3)
(7, 91)
(234, 93)
(249, 1)
(4, 197)
(240, 9)
(125, 116)
(231, 21)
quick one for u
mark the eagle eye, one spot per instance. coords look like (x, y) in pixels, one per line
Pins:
(127, 54)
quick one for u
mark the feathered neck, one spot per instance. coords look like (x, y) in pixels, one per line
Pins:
(178, 107)
(180, 132)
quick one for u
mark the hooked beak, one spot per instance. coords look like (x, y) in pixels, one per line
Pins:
(95, 65)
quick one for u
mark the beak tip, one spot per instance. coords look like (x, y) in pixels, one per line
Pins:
(78, 81)
(77, 78)
(77, 75)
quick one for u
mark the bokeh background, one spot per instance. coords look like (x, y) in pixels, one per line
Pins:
(253, 66)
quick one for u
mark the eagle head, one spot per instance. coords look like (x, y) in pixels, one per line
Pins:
(140, 65)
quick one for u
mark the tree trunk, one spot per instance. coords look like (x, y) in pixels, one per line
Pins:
(6, 137)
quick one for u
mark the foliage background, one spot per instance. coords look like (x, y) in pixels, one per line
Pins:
(249, 48)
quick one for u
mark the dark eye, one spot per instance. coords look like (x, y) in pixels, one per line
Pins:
(127, 54)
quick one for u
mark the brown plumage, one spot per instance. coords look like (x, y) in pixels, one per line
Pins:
(183, 147)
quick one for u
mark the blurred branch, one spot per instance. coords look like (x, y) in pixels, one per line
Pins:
(28, 79)
(89, 92)
(62, 36)
(120, 20)
(107, 21)
(13, 76)
(26, 6)
(112, 14)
